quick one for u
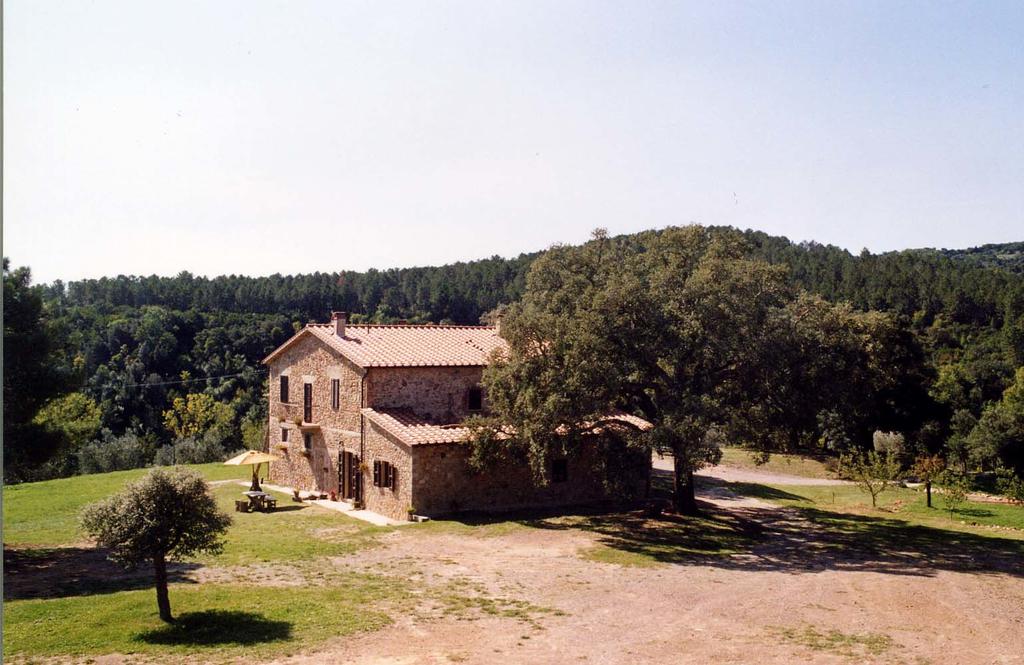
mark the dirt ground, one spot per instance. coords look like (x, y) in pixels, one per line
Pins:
(793, 598)
(802, 593)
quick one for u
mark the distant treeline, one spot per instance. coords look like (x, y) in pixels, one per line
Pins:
(131, 345)
(957, 283)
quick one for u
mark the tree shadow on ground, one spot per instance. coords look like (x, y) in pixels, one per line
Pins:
(735, 533)
(75, 571)
(219, 628)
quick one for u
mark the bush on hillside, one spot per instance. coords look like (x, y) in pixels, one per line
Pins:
(190, 451)
(115, 453)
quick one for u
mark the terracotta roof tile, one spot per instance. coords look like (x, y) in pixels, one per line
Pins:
(413, 430)
(408, 345)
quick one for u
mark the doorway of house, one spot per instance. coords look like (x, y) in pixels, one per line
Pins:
(350, 480)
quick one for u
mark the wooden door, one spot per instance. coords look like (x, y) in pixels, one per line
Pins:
(351, 477)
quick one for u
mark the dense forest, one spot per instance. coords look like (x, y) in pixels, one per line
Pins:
(119, 371)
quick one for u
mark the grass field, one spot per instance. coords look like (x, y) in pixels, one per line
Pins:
(793, 465)
(906, 504)
(94, 608)
(46, 513)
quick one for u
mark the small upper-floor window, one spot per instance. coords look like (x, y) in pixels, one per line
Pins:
(284, 388)
(560, 470)
(475, 399)
(307, 441)
(335, 394)
(284, 435)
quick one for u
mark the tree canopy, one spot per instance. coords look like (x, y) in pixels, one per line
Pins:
(163, 516)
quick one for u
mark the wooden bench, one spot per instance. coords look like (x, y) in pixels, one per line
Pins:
(241, 506)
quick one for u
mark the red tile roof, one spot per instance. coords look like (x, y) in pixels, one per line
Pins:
(407, 345)
(413, 430)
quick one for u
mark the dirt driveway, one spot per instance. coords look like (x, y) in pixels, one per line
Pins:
(858, 592)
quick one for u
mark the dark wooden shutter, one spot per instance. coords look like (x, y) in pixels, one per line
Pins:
(284, 388)
(307, 402)
(392, 476)
(284, 434)
(335, 393)
(376, 473)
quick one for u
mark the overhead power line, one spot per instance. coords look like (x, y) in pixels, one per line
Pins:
(181, 381)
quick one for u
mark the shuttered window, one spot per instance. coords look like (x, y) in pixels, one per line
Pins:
(307, 441)
(284, 434)
(384, 474)
(335, 394)
(284, 388)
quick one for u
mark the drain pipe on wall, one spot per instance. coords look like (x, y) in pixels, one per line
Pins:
(362, 430)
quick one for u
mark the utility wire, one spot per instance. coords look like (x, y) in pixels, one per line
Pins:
(181, 381)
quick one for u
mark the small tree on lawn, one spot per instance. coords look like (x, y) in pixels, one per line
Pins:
(873, 472)
(928, 468)
(164, 515)
(954, 490)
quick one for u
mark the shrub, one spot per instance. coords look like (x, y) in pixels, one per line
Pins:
(888, 442)
(115, 453)
(1011, 485)
(190, 451)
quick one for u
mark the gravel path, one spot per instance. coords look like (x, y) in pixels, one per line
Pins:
(732, 474)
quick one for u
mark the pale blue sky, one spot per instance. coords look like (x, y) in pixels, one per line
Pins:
(259, 137)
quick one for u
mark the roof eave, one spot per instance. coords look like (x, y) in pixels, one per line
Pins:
(295, 338)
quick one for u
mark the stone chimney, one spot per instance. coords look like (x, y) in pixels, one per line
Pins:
(339, 319)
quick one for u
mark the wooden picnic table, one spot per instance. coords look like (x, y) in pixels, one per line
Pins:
(260, 501)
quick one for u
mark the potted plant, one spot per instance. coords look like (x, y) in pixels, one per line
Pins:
(411, 511)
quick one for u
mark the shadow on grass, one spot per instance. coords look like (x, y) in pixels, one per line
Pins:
(731, 533)
(974, 512)
(218, 628)
(74, 571)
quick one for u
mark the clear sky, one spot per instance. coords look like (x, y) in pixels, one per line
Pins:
(258, 137)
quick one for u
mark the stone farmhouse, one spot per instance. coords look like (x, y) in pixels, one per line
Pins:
(373, 412)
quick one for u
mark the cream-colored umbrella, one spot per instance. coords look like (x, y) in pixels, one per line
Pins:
(255, 458)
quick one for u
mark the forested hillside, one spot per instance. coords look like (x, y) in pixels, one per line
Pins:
(1008, 256)
(126, 352)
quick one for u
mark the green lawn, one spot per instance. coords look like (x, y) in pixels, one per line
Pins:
(82, 605)
(274, 590)
(46, 513)
(793, 465)
(225, 620)
(907, 504)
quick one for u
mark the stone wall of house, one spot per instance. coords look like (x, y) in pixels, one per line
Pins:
(332, 430)
(444, 482)
(380, 446)
(439, 394)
